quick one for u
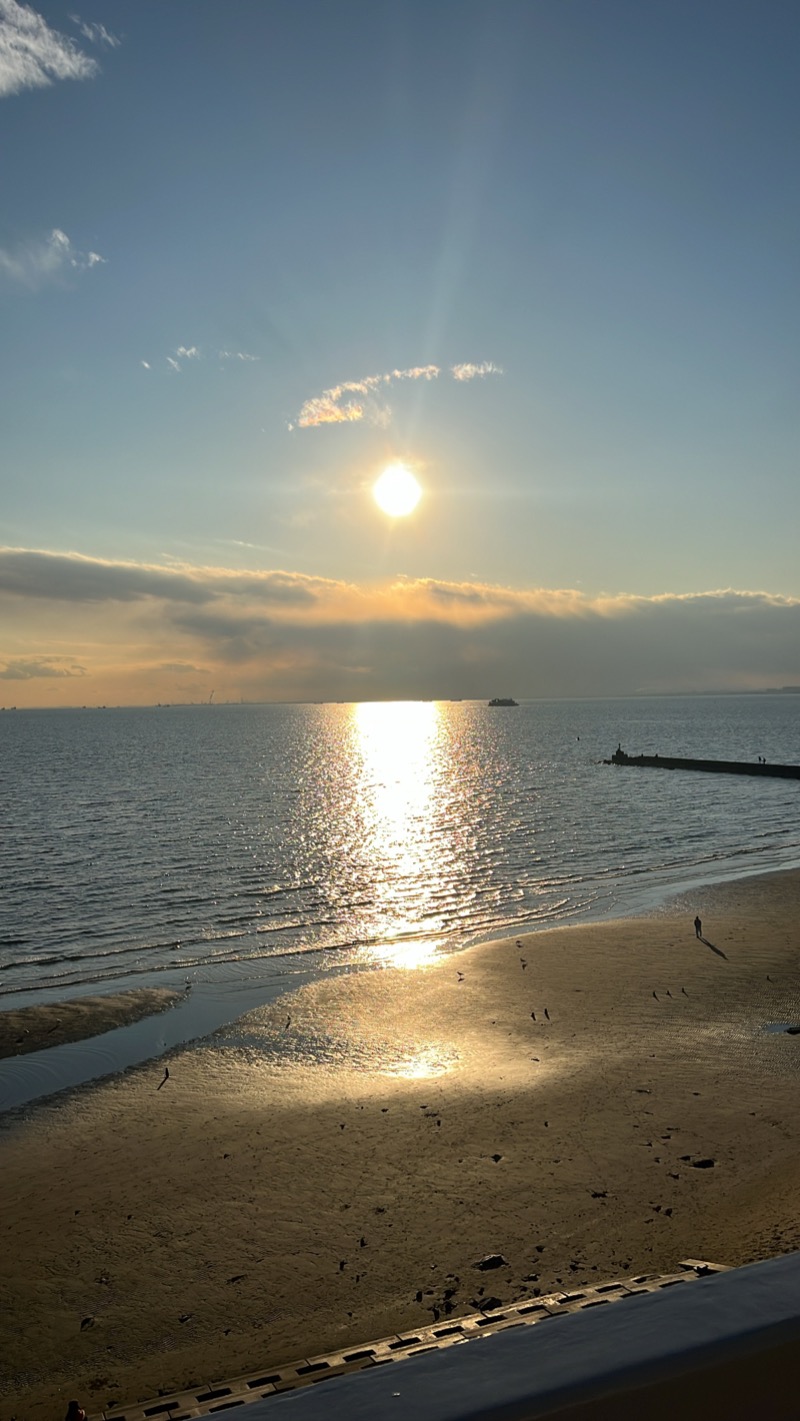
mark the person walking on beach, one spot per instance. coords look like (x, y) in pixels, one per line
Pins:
(698, 928)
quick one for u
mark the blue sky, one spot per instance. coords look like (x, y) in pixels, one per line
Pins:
(215, 213)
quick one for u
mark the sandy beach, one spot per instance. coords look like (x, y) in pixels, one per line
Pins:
(586, 1101)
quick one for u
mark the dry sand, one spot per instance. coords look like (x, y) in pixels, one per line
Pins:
(252, 1211)
(26, 1029)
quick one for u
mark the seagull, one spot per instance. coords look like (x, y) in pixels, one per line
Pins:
(669, 994)
(547, 1014)
(288, 1023)
(655, 994)
(166, 1078)
(533, 1016)
(685, 993)
(524, 963)
(460, 976)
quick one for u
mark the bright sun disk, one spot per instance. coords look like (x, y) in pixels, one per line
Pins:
(397, 492)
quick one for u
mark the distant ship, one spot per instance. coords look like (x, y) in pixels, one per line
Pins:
(503, 701)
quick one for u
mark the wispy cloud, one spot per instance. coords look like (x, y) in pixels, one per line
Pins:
(96, 33)
(184, 353)
(31, 668)
(34, 264)
(475, 372)
(355, 400)
(32, 55)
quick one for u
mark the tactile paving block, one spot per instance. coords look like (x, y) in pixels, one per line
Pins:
(212, 1397)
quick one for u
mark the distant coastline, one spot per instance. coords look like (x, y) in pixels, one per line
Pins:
(414, 700)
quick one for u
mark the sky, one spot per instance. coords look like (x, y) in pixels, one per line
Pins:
(542, 253)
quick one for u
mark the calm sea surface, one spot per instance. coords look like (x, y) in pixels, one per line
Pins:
(186, 842)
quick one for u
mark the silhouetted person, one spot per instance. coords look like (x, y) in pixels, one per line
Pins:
(698, 928)
(75, 1412)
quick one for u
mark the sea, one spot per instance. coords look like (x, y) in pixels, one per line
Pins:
(237, 851)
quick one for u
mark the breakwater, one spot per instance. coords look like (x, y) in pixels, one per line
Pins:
(716, 767)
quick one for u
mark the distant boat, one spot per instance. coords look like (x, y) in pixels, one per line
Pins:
(503, 701)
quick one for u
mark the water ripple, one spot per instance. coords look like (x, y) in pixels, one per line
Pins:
(146, 840)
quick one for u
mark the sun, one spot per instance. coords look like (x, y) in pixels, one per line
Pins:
(397, 492)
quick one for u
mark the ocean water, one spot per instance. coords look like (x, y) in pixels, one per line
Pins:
(240, 851)
(227, 842)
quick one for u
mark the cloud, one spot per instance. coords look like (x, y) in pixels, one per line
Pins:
(183, 353)
(96, 33)
(32, 55)
(72, 578)
(30, 669)
(475, 372)
(336, 406)
(278, 635)
(34, 264)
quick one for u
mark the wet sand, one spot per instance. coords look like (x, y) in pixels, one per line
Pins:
(25, 1029)
(260, 1207)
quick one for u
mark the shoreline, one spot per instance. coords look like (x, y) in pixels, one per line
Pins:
(330, 1168)
(34, 1028)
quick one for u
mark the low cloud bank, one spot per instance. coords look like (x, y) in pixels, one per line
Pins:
(142, 633)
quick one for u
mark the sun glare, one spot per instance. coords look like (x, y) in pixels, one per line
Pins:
(397, 491)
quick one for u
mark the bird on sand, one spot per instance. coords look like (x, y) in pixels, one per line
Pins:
(288, 1023)
(547, 1014)
(685, 993)
(533, 1016)
(655, 994)
(165, 1079)
(460, 976)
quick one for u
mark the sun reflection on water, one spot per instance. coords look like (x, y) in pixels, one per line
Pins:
(399, 746)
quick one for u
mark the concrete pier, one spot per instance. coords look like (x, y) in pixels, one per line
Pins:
(715, 767)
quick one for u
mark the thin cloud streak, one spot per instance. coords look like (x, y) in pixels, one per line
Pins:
(32, 669)
(184, 353)
(36, 263)
(32, 55)
(333, 406)
(277, 635)
(475, 372)
(96, 33)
